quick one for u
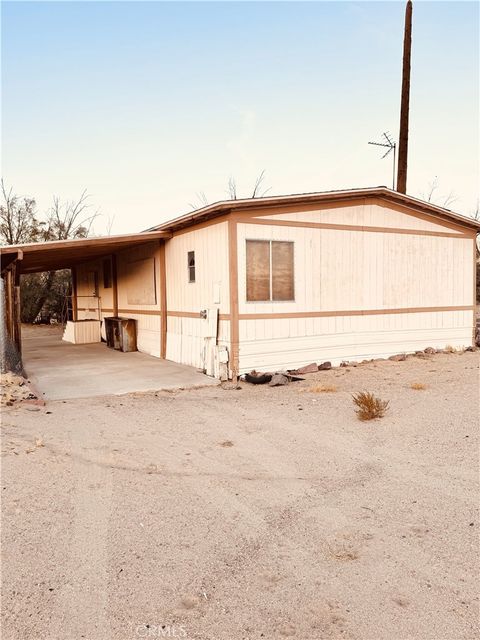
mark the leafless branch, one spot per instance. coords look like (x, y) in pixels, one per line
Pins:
(202, 201)
(258, 190)
(232, 188)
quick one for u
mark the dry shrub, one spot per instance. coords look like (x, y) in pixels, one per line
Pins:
(323, 388)
(369, 406)
(450, 349)
(418, 386)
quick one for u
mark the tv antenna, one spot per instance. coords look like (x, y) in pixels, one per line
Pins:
(390, 146)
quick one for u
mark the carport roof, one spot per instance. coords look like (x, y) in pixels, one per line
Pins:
(63, 254)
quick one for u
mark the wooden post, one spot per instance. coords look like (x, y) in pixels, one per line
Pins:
(73, 271)
(405, 105)
(8, 303)
(163, 302)
(17, 319)
(114, 285)
(234, 321)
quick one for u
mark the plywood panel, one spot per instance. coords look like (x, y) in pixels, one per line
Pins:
(140, 282)
(132, 265)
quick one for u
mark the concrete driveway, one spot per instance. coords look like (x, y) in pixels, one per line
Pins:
(61, 370)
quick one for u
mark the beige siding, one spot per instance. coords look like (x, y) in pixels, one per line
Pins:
(147, 315)
(368, 214)
(337, 270)
(149, 322)
(356, 271)
(185, 335)
(290, 343)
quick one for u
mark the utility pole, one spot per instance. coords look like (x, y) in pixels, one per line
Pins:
(404, 110)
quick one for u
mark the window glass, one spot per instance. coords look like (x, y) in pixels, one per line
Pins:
(191, 266)
(282, 271)
(270, 271)
(258, 270)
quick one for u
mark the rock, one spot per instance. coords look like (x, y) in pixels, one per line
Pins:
(309, 368)
(399, 357)
(278, 380)
(325, 366)
(429, 350)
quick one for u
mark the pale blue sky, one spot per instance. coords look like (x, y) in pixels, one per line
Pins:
(144, 104)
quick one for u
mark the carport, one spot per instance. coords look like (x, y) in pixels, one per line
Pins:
(61, 370)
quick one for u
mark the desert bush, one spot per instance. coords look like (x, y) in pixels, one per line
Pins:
(418, 386)
(323, 388)
(369, 406)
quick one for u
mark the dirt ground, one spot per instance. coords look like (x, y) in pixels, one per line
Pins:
(256, 513)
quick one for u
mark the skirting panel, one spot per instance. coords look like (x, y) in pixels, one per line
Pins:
(373, 338)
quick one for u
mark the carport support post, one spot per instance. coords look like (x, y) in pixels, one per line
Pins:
(17, 329)
(11, 311)
(114, 286)
(163, 302)
(73, 271)
(234, 321)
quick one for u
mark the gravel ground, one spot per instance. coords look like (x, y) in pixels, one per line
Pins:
(256, 513)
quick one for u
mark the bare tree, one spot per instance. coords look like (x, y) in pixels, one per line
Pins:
(202, 200)
(258, 191)
(18, 221)
(19, 224)
(109, 225)
(69, 219)
(432, 195)
(232, 188)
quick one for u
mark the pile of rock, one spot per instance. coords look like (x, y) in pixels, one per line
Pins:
(14, 389)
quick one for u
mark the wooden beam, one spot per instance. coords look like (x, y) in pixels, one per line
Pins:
(234, 322)
(163, 302)
(114, 285)
(73, 271)
(17, 319)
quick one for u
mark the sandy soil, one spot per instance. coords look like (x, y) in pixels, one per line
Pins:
(255, 513)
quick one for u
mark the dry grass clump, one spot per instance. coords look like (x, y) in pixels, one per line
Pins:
(418, 386)
(450, 349)
(369, 406)
(323, 388)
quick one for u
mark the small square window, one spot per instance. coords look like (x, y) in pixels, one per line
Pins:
(191, 266)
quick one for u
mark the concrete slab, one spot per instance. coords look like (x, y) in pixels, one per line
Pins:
(61, 370)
